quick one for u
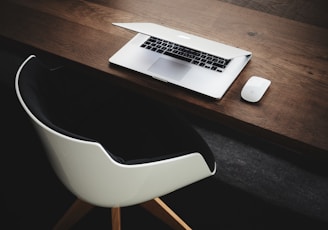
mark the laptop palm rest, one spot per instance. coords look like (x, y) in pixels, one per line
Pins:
(169, 69)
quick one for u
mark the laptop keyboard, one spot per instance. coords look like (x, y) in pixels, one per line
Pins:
(186, 54)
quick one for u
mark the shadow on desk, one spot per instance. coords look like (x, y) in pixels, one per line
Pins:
(250, 190)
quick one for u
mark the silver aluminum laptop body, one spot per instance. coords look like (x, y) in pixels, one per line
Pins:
(168, 68)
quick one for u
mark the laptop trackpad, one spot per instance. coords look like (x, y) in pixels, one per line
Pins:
(169, 69)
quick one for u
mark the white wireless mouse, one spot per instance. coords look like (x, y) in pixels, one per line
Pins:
(254, 88)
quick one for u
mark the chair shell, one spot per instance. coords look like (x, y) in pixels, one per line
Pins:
(90, 173)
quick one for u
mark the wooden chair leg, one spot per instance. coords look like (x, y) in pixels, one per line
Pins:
(116, 218)
(159, 209)
(77, 210)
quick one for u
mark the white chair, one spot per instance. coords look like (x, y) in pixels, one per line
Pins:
(99, 176)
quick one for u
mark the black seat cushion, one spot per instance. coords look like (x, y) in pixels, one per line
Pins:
(133, 128)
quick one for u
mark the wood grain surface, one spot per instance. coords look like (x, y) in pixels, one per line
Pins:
(292, 54)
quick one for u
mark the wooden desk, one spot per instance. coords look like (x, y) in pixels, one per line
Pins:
(293, 55)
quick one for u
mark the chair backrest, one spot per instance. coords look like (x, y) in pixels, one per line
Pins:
(86, 168)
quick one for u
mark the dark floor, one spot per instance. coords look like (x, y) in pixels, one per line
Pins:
(32, 198)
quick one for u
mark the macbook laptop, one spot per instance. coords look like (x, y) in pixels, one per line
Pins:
(192, 62)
